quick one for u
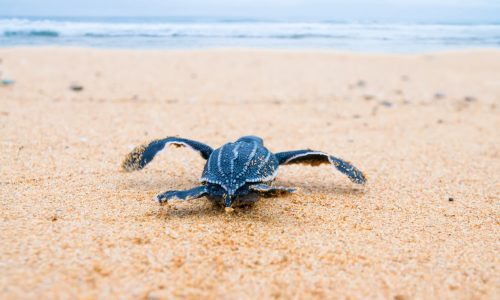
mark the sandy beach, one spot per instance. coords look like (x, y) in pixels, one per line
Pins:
(423, 127)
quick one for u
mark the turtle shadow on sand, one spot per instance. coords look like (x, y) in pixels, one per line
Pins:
(306, 189)
(261, 211)
(152, 184)
(209, 209)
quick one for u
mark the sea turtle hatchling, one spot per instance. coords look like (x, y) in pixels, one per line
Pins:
(236, 173)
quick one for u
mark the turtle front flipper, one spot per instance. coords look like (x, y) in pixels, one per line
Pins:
(185, 195)
(315, 158)
(143, 154)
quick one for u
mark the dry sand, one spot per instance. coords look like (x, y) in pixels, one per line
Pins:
(424, 128)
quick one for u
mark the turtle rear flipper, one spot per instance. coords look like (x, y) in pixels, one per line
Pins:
(185, 195)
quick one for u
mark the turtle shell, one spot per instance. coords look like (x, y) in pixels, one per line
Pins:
(234, 164)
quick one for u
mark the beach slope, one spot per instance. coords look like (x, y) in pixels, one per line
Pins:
(424, 128)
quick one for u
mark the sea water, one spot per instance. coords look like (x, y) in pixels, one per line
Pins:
(191, 33)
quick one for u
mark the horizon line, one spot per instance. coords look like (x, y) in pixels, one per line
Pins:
(255, 19)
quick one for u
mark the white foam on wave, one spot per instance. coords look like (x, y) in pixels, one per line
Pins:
(220, 32)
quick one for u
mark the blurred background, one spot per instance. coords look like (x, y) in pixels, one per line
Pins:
(360, 25)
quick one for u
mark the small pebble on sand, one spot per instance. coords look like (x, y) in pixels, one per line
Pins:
(76, 87)
(361, 83)
(386, 103)
(470, 99)
(368, 97)
(450, 199)
(439, 95)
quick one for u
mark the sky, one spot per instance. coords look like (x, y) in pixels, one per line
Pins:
(479, 11)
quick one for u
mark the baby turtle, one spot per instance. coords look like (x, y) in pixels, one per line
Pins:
(236, 173)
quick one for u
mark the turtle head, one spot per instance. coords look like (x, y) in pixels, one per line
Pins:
(220, 192)
(251, 139)
(228, 200)
(238, 195)
(230, 196)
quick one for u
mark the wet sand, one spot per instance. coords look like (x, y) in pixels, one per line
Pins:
(424, 128)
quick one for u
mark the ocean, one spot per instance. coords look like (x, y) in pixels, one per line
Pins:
(194, 33)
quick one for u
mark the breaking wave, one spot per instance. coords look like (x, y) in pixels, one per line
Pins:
(168, 33)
